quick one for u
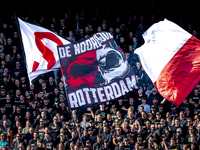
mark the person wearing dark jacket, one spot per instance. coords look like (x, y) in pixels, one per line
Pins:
(84, 137)
(106, 145)
(62, 139)
(41, 145)
(54, 128)
(155, 133)
(34, 140)
(15, 143)
(99, 142)
(106, 134)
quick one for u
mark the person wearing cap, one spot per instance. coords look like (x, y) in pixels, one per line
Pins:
(158, 117)
(174, 111)
(188, 113)
(92, 125)
(148, 91)
(89, 144)
(77, 124)
(153, 95)
(47, 103)
(179, 135)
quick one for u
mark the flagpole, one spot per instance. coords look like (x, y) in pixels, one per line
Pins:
(23, 53)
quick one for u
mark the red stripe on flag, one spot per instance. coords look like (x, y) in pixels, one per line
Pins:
(35, 65)
(181, 74)
(47, 54)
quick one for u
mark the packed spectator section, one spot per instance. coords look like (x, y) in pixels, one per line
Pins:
(40, 118)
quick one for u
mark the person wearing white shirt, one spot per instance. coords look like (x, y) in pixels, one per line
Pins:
(145, 105)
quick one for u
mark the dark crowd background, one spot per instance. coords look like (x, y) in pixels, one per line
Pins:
(139, 120)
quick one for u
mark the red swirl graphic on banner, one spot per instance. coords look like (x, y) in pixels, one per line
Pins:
(47, 54)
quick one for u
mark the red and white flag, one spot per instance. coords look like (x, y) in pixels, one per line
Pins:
(40, 46)
(171, 58)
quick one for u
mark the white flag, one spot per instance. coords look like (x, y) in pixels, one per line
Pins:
(171, 58)
(40, 46)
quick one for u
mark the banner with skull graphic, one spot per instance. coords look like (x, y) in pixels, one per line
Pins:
(95, 70)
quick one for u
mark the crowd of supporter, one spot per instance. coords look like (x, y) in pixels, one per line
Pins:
(141, 120)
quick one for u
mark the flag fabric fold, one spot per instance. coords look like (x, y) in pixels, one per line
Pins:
(171, 58)
(40, 47)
